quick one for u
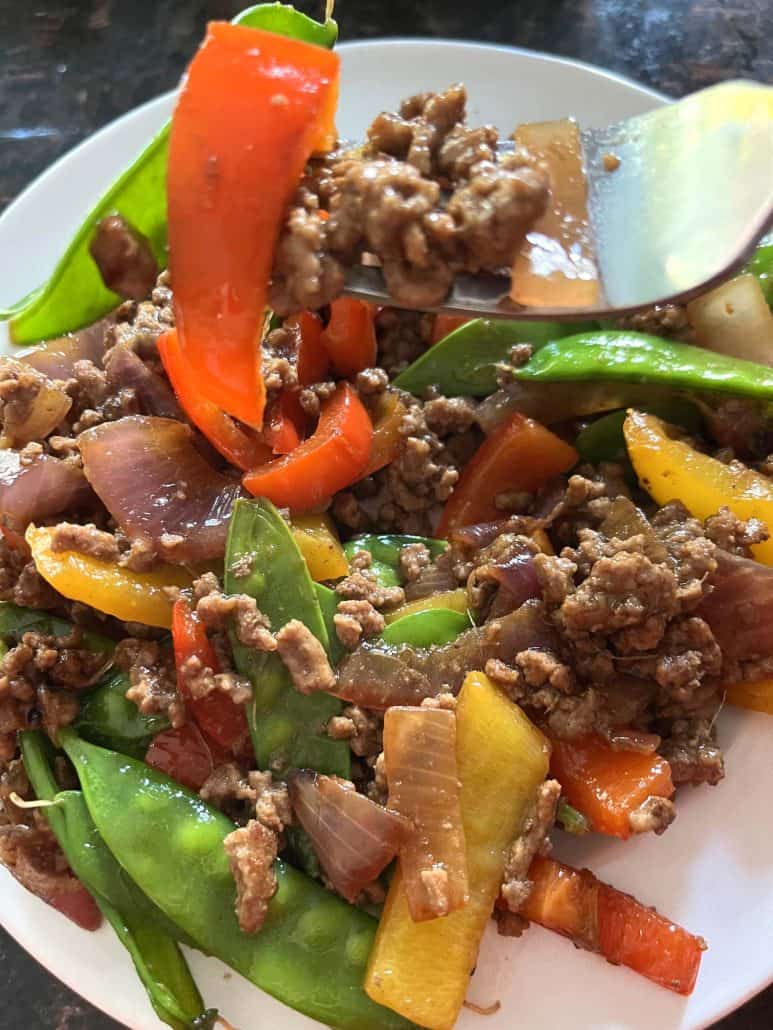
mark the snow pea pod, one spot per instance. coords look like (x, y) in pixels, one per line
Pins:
(75, 295)
(312, 950)
(143, 929)
(384, 549)
(15, 621)
(603, 439)
(638, 358)
(465, 361)
(426, 629)
(107, 717)
(761, 266)
(287, 728)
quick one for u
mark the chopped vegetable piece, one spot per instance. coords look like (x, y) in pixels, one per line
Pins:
(758, 696)
(604, 920)
(108, 587)
(465, 362)
(39, 487)
(385, 548)
(422, 969)
(312, 949)
(285, 423)
(388, 417)
(739, 605)
(443, 325)
(317, 539)
(243, 88)
(157, 486)
(571, 820)
(287, 727)
(603, 439)
(556, 266)
(420, 767)
(734, 319)
(44, 409)
(215, 713)
(333, 458)
(108, 718)
(761, 266)
(16, 621)
(353, 837)
(350, 337)
(432, 627)
(312, 359)
(75, 295)
(519, 455)
(185, 755)
(622, 357)
(454, 600)
(243, 450)
(670, 470)
(608, 785)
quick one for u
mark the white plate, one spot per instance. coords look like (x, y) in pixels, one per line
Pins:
(711, 871)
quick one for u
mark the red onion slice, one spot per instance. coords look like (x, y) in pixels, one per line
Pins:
(158, 487)
(353, 837)
(739, 607)
(39, 488)
(56, 358)
(126, 370)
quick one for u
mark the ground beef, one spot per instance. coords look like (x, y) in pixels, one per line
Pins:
(402, 337)
(199, 681)
(124, 258)
(355, 620)
(138, 326)
(733, 534)
(152, 678)
(305, 658)
(20, 581)
(669, 320)
(533, 839)
(251, 852)
(414, 558)
(363, 586)
(448, 415)
(654, 815)
(68, 536)
(279, 360)
(363, 730)
(251, 795)
(692, 751)
(218, 611)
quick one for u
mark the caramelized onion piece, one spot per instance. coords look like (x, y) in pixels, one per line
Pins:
(56, 358)
(39, 488)
(126, 370)
(34, 404)
(353, 837)
(624, 520)
(739, 607)
(437, 578)
(378, 675)
(157, 486)
(420, 765)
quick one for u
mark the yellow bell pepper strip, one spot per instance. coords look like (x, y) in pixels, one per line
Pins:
(519, 455)
(757, 695)
(318, 542)
(108, 587)
(455, 600)
(670, 470)
(253, 108)
(422, 970)
(387, 419)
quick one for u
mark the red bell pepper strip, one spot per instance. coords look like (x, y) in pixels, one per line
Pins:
(350, 337)
(604, 920)
(78, 905)
(239, 447)
(519, 455)
(216, 714)
(285, 423)
(252, 109)
(608, 785)
(312, 357)
(185, 755)
(335, 456)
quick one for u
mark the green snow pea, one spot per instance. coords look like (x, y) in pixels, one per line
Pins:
(328, 603)
(146, 933)
(16, 621)
(623, 357)
(424, 629)
(75, 295)
(287, 728)
(312, 949)
(603, 439)
(385, 549)
(107, 717)
(465, 361)
(761, 266)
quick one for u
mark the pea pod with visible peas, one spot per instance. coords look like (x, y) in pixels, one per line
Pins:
(465, 361)
(75, 295)
(143, 929)
(287, 728)
(313, 948)
(636, 358)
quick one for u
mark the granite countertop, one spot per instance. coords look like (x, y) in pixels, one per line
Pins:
(69, 66)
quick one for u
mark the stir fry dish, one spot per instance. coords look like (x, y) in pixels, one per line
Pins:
(321, 623)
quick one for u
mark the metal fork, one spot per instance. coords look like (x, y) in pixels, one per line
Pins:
(692, 195)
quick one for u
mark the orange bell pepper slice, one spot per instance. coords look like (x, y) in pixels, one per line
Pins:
(445, 324)
(350, 337)
(285, 423)
(329, 460)
(386, 433)
(519, 455)
(608, 785)
(216, 714)
(239, 447)
(756, 695)
(252, 109)
(608, 922)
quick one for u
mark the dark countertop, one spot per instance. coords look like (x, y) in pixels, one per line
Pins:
(69, 66)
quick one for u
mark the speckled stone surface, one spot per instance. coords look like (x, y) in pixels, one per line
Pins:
(69, 66)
